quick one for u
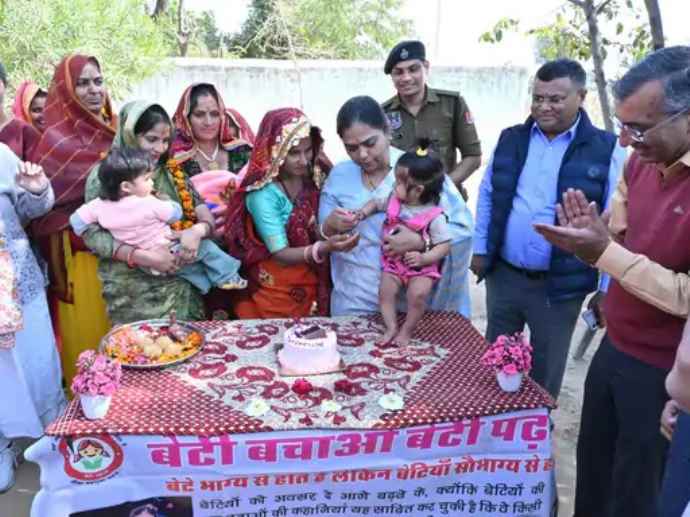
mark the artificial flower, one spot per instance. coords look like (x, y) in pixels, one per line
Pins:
(331, 406)
(510, 369)
(391, 401)
(97, 374)
(256, 408)
(509, 354)
(302, 386)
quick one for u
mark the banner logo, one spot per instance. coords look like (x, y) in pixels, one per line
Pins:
(91, 458)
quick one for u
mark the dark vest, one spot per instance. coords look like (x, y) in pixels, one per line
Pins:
(658, 225)
(585, 166)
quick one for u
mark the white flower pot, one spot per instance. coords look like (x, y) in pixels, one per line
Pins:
(509, 383)
(95, 406)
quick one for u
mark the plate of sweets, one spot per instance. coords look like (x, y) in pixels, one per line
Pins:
(152, 344)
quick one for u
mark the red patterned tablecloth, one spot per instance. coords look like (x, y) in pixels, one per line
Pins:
(439, 378)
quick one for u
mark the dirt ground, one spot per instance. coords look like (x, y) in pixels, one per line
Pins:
(567, 416)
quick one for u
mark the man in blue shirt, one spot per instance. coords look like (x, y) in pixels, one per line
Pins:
(527, 280)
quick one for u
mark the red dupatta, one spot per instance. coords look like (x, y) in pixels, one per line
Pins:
(279, 131)
(234, 129)
(74, 141)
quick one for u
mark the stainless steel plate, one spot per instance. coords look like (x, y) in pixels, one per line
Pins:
(155, 324)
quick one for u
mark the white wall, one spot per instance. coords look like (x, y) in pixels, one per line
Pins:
(498, 96)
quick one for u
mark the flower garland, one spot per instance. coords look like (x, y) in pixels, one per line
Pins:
(189, 215)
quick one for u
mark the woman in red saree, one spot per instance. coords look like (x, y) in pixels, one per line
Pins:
(212, 146)
(80, 129)
(272, 222)
(17, 134)
(29, 103)
(209, 135)
(211, 140)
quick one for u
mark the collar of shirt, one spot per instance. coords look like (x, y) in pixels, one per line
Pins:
(681, 164)
(430, 97)
(570, 132)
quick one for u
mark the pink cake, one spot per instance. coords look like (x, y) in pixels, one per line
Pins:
(308, 350)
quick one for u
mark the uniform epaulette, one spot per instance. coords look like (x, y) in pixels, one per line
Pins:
(452, 93)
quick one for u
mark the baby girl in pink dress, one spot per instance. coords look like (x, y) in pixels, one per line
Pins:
(413, 203)
(128, 209)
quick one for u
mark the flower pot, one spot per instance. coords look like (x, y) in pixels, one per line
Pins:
(509, 383)
(95, 406)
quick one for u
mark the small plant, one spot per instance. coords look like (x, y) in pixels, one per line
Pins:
(97, 374)
(509, 354)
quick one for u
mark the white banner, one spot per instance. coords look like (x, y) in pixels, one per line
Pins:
(500, 465)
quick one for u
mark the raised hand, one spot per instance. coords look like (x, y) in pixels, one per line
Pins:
(341, 220)
(31, 177)
(582, 230)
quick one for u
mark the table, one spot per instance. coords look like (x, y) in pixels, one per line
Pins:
(225, 435)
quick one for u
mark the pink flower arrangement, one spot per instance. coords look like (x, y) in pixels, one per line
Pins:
(509, 354)
(97, 374)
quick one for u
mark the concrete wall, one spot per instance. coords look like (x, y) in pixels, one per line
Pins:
(497, 96)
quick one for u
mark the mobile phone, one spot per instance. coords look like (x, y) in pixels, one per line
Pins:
(590, 319)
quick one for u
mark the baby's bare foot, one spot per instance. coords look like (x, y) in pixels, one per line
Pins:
(388, 336)
(403, 340)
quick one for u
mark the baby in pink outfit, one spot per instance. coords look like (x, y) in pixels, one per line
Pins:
(414, 204)
(140, 221)
(128, 209)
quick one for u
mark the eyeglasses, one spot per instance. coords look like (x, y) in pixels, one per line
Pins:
(639, 136)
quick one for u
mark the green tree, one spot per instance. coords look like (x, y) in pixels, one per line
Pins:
(188, 33)
(256, 39)
(36, 34)
(589, 30)
(334, 29)
(209, 33)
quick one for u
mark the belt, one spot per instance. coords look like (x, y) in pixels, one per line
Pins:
(529, 273)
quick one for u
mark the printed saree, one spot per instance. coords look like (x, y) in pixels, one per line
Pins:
(21, 137)
(276, 290)
(74, 140)
(132, 294)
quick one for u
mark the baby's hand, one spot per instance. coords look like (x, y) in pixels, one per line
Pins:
(354, 215)
(413, 259)
(359, 215)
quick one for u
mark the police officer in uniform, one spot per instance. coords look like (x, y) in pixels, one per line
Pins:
(420, 111)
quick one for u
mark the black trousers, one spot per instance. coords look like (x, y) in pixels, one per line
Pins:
(620, 452)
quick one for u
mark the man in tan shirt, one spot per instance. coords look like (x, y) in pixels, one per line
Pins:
(644, 249)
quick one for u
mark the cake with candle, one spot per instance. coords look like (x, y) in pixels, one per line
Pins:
(308, 350)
